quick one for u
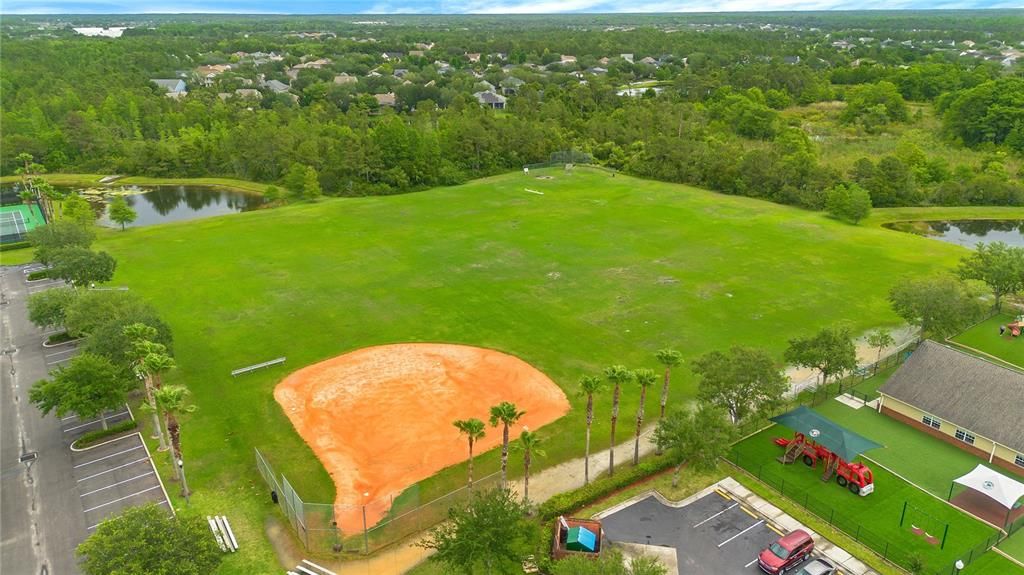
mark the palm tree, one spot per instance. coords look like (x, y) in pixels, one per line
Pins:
(156, 363)
(529, 443)
(669, 358)
(617, 374)
(646, 378)
(589, 385)
(140, 336)
(473, 429)
(171, 400)
(506, 413)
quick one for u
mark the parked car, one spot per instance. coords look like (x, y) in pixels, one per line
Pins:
(818, 567)
(786, 553)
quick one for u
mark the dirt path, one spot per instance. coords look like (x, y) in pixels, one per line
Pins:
(803, 378)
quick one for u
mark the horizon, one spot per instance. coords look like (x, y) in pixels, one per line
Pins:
(482, 7)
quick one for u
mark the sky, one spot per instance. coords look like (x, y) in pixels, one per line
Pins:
(471, 6)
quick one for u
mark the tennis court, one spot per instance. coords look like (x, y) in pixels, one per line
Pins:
(17, 220)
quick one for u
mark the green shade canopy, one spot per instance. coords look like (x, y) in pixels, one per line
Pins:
(821, 429)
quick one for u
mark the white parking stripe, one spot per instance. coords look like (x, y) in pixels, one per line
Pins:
(716, 515)
(107, 457)
(62, 352)
(60, 361)
(93, 421)
(91, 527)
(741, 533)
(112, 469)
(122, 498)
(146, 474)
(751, 563)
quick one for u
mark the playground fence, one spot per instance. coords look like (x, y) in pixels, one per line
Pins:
(316, 524)
(840, 520)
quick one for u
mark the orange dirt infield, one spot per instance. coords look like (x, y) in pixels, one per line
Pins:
(380, 418)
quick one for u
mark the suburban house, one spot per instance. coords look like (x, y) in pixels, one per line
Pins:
(389, 56)
(385, 99)
(491, 100)
(511, 85)
(175, 87)
(473, 56)
(566, 59)
(968, 402)
(276, 86)
(627, 57)
(416, 53)
(344, 78)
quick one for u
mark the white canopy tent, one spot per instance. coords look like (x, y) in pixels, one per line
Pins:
(994, 485)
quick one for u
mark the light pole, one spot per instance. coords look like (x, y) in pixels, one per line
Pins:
(366, 533)
(184, 484)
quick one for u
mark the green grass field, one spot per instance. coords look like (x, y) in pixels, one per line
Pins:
(875, 518)
(985, 337)
(868, 389)
(597, 270)
(1014, 545)
(993, 564)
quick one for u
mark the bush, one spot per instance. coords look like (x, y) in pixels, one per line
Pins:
(62, 337)
(93, 437)
(14, 246)
(566, 503)
(39, 275)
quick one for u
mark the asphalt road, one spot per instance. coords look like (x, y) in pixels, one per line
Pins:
(42, 517)
(712, 535)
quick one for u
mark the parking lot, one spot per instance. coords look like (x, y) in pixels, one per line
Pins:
(115, 475)
(712, 535)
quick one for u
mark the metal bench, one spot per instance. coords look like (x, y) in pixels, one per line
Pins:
(247, 369)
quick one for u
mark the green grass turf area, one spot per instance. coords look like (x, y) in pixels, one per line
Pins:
(920, 458)
(1014, 545)
(992, 564)
(985, 338)
(598, 270)
(869, 387)
(875, 518)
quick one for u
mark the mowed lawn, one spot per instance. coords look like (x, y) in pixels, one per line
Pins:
(597, 270)
(985, 337)
(992, 564)
(874, 519)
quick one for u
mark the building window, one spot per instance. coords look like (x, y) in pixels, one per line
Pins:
(932, 421)
(964, 436)
(1019, 460)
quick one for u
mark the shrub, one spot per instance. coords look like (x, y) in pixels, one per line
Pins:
(14, 246)
(93, 437)
(566, 503)
(39, 275)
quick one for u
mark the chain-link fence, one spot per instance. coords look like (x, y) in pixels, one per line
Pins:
(317, 525)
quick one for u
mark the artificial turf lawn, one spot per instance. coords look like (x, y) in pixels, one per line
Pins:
(922, 459)
(598, 270)
(985, 337)
(874, 519)
(868, 389)
(1014, 545)
(992, 564)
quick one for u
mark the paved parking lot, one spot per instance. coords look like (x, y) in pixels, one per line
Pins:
(712, 535)
(115, 475)
(74, 426)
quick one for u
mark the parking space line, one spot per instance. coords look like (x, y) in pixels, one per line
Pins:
(112, 469)
(751, 563)
(724, 495)
(715, 515)
(748, 512)
(91, 527)
(146, 474)
(107, 457)
(740, 533)
(61, 352)
(122, 498)
(774, 529)
(93, 421)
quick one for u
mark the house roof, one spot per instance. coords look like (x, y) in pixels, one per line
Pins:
(276, 86)
(975, 394)
(489, 98)
(171, 85)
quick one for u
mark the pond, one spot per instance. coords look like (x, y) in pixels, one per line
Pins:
(967, 233)
(162, 204)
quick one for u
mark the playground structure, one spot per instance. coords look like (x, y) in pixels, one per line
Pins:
(818, 438)
(1014, 327)
(580, 537)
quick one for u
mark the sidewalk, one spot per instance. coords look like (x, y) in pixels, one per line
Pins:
(400, 558)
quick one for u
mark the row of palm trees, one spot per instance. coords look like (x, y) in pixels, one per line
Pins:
(150, 361)
(618, 376)
(505, 414)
